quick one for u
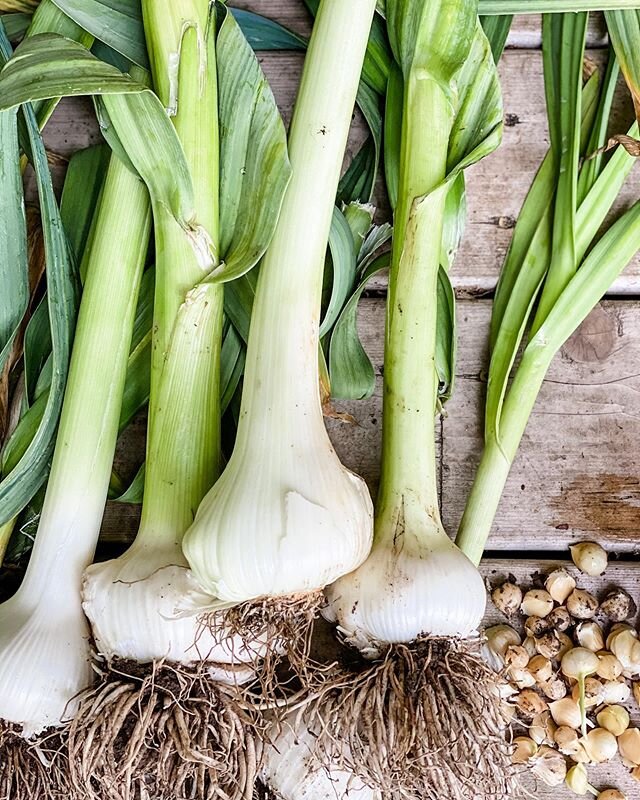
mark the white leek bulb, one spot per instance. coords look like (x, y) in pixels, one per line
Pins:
(286, 517)
(415, 582)
(142, 607)
(291, 771)
(44, 659)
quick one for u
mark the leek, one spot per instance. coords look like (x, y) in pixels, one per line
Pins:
(44, 646)
(212, 150)
(397, 609)
(550, 268)
(254, 542)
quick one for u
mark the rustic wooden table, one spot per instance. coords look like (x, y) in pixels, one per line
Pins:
(578, 472)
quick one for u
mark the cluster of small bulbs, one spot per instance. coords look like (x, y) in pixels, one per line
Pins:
(569, 676)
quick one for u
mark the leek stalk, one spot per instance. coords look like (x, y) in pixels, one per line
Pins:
(43, 631)
(284, 488)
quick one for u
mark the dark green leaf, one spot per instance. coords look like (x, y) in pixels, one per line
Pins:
(117, 23)
(14, 268)
(497, 30)
(352, 373)
(19, 486)
(343, 261)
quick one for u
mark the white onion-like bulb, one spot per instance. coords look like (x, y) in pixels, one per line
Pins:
(145, 608)
(290, 769)
(291, 521)
(415, 582)
(45, 660)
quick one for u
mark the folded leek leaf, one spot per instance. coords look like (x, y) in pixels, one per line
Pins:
(19, 486)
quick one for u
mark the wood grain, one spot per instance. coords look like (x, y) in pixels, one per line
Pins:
(576, 475)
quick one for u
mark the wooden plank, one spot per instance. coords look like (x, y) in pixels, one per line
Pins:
(576, 475)
(620, 574)
(525, 29)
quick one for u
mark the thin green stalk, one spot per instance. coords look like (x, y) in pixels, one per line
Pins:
(410, 377)
(491, 7)
(605, 262)
(183, 448)
(563, 49)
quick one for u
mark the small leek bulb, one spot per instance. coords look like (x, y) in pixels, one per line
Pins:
(411, 584)
(498, 639)
(578, 781)
(580, 663)
(590, 558)
(601, 745)
(614, 719)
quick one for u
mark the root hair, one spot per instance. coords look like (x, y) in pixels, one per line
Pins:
(32, 769)
(278, 630)
(161, 732)
(424, 721)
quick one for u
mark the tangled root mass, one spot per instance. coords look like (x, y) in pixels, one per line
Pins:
(423, 722)
(280, 630)
(161, 732)
(34, 769)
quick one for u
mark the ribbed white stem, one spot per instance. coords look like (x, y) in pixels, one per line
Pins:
(286, 516)
(44, 636)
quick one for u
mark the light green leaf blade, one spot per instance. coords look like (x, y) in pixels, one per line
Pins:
(14, 269)
(343, 260)
(477, 128)
(117, 23)
(352, 374)
(20, 485)
(254, 165)
(446, 340)
(431, 35)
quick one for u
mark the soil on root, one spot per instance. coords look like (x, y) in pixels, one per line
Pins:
(278, 630)
(424, 721)
(35, 769)
(161, 732)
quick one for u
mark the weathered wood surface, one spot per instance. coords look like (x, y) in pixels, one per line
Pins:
(577, 472)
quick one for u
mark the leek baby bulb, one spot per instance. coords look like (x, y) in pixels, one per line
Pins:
(286, 518)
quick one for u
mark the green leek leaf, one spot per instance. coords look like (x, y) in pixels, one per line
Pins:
(343, 261)
(254, 166)
(14, 268)
(117, 23)
(497, 30)
(624, 31)
(20, 485)
(446, 340)
(352, 374)
(15, 25)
